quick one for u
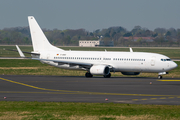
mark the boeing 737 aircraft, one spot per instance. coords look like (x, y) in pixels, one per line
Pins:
(96, 62)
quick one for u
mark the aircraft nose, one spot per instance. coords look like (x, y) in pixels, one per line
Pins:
(173, 65)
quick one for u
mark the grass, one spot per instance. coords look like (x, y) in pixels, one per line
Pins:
(173, 53)
(91, 111)
(33, 67)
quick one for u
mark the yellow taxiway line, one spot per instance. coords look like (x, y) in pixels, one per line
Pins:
(53, 91)
(169, 80)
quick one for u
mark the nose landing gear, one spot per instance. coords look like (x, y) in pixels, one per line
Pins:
(161, 73)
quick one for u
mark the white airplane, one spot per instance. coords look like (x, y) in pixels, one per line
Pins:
(96, 62)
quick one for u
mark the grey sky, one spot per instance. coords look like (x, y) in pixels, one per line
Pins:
(91, 14)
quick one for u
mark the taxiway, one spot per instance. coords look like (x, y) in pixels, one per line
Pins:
(132, 90)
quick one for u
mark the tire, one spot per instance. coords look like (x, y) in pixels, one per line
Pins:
(159, 77)
(88, 75)
(107, 76)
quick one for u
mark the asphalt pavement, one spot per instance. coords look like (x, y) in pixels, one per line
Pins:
(131, 90)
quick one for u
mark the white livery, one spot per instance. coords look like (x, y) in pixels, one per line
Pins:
(96, 62)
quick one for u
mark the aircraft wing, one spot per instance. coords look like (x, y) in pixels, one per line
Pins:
(85, 65)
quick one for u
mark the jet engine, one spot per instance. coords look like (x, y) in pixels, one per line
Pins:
(130, 73)
(99, 70)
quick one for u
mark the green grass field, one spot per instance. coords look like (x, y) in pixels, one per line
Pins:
(86, 111)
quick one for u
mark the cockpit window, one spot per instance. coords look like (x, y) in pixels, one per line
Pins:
(165, 59)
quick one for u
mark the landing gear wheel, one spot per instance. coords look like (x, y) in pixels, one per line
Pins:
(107, 76)
(159, 77)
(88, 75)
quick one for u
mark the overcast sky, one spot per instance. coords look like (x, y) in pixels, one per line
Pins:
(91, 14)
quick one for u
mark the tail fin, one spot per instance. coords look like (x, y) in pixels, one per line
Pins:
(39, 40)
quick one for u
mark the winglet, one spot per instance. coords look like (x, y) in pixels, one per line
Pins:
(20, 52)
(131, 50)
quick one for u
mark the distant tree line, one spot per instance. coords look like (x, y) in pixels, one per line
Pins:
(121, 36)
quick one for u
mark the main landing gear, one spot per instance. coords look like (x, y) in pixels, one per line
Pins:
(88, 75)
(107, 76)
(159, 77)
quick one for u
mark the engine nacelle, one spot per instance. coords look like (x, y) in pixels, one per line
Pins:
(99, 70)
(130, 73)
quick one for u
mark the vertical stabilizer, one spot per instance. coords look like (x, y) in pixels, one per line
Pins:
(39, 40)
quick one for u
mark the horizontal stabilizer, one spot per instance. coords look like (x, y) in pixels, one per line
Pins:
(131, 50)
(20, 52)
